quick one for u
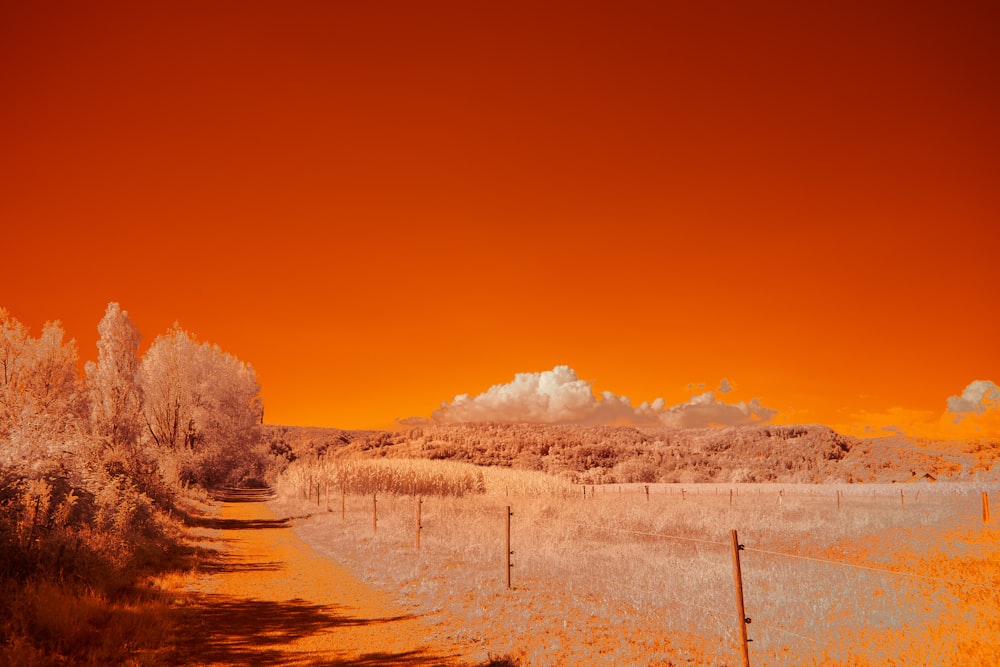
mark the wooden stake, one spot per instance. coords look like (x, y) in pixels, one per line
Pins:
(838, 500)
(328, 496)
(508, 553)
(647, 492)
(986, 507)
(419, 503)
(730, 499)
(902, 500)
(743, 618)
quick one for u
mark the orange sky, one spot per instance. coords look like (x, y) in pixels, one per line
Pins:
(381, 205)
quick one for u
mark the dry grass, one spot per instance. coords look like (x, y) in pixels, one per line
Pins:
(411, 477)
(94, 594)
(596, 581)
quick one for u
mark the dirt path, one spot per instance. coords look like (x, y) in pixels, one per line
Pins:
(269, 599)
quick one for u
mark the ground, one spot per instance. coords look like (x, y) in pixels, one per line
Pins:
(271, 600)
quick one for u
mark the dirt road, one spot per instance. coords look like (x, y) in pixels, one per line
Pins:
(269, 599)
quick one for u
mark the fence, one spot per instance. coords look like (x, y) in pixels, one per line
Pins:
(652, 571)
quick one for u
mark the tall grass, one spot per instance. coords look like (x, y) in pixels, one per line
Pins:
(412, 477)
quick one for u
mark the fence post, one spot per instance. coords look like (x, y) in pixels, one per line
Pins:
(508, 553)
(838, 500)
(730, 499)
(419, 503)
(374, 514)
(328, 495)
(902, 501)
(986, 507)
(744, 619)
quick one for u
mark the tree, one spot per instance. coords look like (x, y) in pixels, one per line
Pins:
(115, 396)
(170, 382)
(204, 406)
(41, 403)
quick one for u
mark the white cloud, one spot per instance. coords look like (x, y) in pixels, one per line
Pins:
(558, 396)
(978, 397)
(704, 410)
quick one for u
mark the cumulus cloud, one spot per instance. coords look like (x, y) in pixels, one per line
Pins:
(704, 410)
(978, 397)
(558, 396)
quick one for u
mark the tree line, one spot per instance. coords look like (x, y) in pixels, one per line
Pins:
(91, 463)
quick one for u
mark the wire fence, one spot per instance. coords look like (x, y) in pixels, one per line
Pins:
(619, 567)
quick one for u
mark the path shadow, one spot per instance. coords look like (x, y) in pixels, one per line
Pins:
(235, 524)
(241, 495)
(220, 564)
(222, 629)
(195, 520)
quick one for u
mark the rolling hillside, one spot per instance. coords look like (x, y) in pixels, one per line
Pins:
(620, 454)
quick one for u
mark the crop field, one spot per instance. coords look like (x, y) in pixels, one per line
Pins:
(905, 574)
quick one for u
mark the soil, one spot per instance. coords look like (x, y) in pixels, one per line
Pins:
(266, 598)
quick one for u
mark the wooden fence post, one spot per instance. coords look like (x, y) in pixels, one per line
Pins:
(419, 503)
(374, 514)
(838, 500)
(730, 499)
(508, 553)
(986, 507)
(744, 619)
(328, 495)
(647, 492)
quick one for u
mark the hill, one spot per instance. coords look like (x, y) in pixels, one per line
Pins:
(623, 454)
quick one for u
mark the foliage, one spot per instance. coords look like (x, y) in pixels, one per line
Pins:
(202, 407)
(621, 454)
(88, 482)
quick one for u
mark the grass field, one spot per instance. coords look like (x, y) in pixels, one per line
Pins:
(619, 577)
